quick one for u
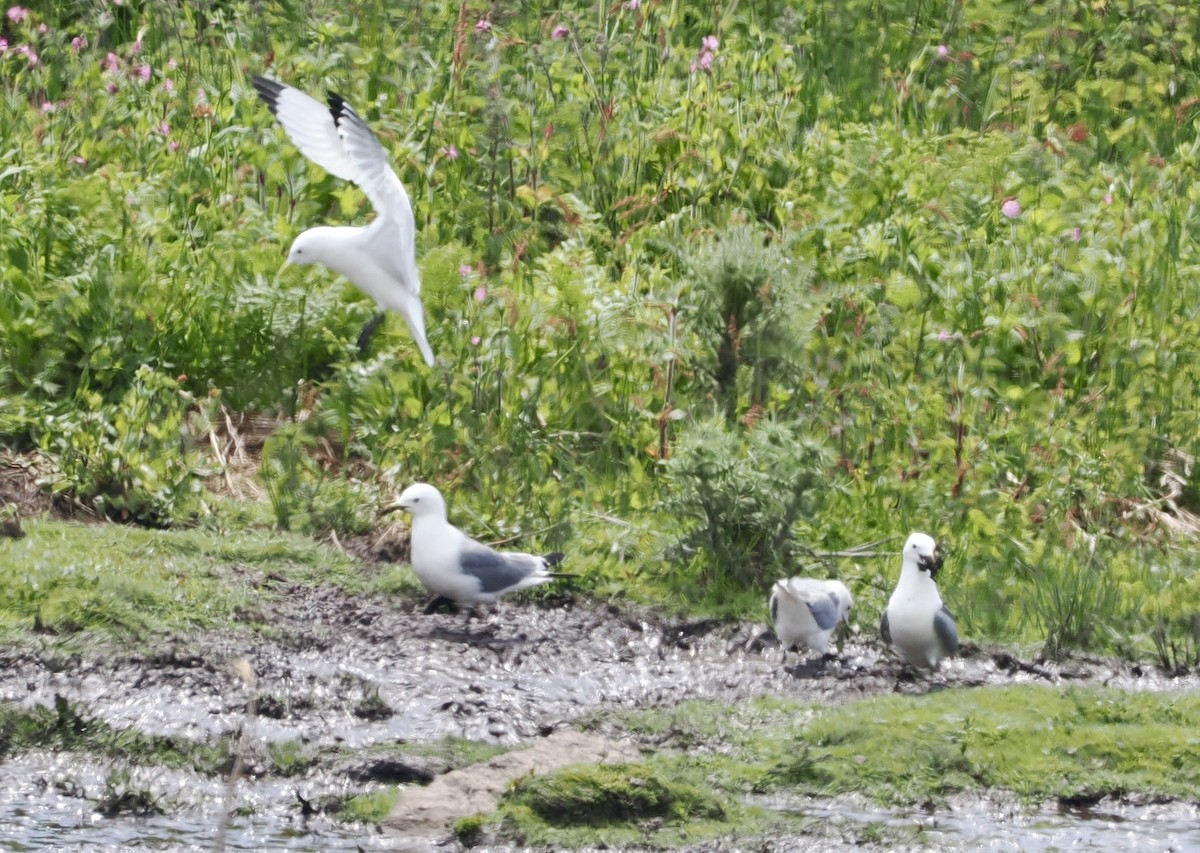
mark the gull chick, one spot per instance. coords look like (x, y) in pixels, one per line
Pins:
(453, 565)
(380, 259)
(805, 612)
(916, 622)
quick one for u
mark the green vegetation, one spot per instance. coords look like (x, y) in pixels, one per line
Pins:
(606, 803)
(711, 289)
(134, 584)
(1037, 742)
(370, 808)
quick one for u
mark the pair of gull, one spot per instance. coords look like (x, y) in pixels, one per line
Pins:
(916, 623)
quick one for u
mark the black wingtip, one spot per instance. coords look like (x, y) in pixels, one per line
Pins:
(338, 105)
(269, 90)
(554, 559)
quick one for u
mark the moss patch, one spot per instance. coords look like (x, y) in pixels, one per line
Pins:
(1039, 742)
(63, 578)
(612, 804)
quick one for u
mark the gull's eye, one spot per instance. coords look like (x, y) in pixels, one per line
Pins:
(416, 500)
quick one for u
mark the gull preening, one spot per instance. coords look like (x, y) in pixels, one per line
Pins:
(453, 565)
(916, 622)
(380, 259)
(805, 612)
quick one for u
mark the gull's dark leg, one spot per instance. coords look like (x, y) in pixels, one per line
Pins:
(364, 337)
(437, 603)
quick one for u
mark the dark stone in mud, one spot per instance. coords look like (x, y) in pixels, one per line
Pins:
(398, 769)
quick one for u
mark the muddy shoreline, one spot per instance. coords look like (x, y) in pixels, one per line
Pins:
(349, 674)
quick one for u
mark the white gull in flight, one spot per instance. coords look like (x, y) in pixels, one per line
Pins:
(379, 258)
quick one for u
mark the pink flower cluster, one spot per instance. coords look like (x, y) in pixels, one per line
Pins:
(708, 51)
(18, 14)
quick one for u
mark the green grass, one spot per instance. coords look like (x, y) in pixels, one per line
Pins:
(132, 584)
(693, 325)
(1039, 743)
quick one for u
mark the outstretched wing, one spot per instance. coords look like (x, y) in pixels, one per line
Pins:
(310, 125)
(377, 179)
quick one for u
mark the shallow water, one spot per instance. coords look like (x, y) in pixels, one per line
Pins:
(989, 823)
(513, 675)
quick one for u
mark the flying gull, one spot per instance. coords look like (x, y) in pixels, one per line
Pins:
(380, 258)
(453, 565)
(805, 612)
(916, 622)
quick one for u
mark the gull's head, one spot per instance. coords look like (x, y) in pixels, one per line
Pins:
(306, 249)
(921, 551)
(420, 499)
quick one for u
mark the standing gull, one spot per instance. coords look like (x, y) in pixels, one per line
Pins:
(916, 622)
(453, 565)
(380, 259)
(805, 612)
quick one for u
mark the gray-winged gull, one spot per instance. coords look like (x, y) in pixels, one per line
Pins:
(805, 612)
(453, 565)
(916, 622)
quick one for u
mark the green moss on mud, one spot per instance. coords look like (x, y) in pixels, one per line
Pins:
(611, 804)
(127, 582)
(1039, 742)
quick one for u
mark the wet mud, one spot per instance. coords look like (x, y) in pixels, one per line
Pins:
(358, 673)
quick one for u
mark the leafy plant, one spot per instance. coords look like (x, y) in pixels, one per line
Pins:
(137, 461)
(741, 493)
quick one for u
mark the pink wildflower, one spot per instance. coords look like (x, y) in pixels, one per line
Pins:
(3, 44)
(43, 28)
(945, 336)
(172, 63)
(49, 106)
(78, 43)
(1076, 234)
(1108, 198)
(943, 52)
(17, 14)
(111, 87)
(143, 72)
(475, 340)
(79, 161)
(112, 62)
(704, 60)
(451, 152)
(136, 47)
(633, 5)
(480, 293)
(465, 270)
(173, 144)
(168, 85)
(560, 32)
(30, 54)
(165, 129)
(483, 25)
(1011, 208)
